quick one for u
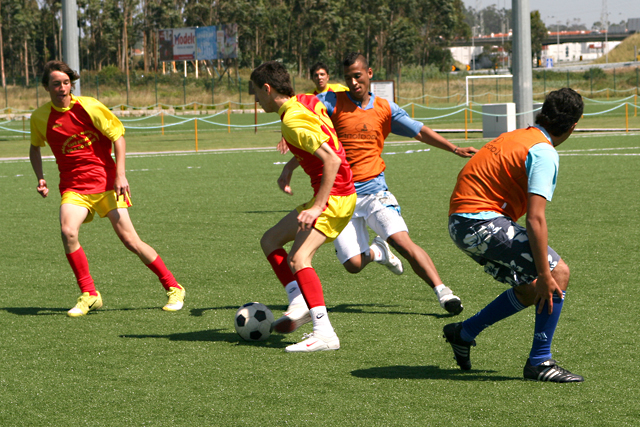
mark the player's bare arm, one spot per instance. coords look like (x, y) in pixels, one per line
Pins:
(36, 163)
(282, 146)
(284, 180)
(331, 163)
(120, 185)
(428, 136)
(546, 285)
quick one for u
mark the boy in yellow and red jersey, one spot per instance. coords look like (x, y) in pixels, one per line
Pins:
(80, 132)
(320, 76)
(512, 175)
(363, 121)
(313, 142)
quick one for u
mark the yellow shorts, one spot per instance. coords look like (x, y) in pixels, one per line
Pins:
(102, 203)
(335, 216)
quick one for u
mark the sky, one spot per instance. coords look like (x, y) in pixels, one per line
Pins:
(588, 11)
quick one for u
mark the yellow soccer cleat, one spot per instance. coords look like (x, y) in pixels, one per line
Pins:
(176, 299)
(86, 303)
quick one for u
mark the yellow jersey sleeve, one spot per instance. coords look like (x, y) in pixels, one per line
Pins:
(103, 119)
(39, 119)
(303, 130)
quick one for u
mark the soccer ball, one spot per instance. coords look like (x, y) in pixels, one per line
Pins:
(253, 321)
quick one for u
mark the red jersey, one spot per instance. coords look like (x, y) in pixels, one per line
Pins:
(305, 127)
(80, 138)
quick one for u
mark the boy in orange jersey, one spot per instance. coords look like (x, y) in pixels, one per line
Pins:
(362, 122)
(512, 175)
(312, 139)
(80, 132)
(320, 76)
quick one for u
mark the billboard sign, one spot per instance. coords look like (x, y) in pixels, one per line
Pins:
(184, 44)
(207, 48)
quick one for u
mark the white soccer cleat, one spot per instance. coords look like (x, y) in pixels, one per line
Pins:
(315, 342)
(392, 262)
(449, 301)
(295, 316)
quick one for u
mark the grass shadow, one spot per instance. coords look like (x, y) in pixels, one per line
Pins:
(366, 309)
(215, 335)
(428, 373)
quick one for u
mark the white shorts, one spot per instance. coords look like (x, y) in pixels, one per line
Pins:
(380, 212)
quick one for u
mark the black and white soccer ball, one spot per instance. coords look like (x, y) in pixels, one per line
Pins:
(253, 321)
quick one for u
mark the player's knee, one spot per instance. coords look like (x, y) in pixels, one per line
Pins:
(69, 234)
(561, 274)
(352, 266)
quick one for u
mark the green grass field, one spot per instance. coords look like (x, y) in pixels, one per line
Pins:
(130, 363)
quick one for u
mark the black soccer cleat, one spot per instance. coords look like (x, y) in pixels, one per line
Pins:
(549, 371)
(461, 348)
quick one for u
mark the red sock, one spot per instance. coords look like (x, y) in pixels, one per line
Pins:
(310, 287)
(80, 267)
(163, 273)
(278, 261)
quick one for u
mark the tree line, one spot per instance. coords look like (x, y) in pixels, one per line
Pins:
(391, 33)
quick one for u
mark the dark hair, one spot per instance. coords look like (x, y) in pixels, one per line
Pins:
(561, 109)
(52, 66)
(352, 57)
(275, 75)
(318, 66)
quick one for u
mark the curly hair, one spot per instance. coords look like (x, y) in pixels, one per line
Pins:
(52, 66)
(275, 75)
(561, 109)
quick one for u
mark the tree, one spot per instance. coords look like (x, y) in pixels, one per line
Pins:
(538, 35)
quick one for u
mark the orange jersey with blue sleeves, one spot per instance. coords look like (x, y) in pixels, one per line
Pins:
(362, 132)
(80, 138)
(305, 127)
(495, 178)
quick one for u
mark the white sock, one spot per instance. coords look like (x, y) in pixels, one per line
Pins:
(293, 293)
(439, 288)
(376, 253)
(321, 321)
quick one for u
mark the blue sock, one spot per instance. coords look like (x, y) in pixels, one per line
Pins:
(500, 308)
(545, 327)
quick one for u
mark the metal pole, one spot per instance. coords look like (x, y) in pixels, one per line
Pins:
(70, 38)
(522, 78)
(213, 82)
(591, 80)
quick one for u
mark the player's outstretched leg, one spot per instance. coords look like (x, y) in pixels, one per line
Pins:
(461, 348)
(176, 298)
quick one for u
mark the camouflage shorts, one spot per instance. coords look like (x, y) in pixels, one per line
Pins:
(500, 245)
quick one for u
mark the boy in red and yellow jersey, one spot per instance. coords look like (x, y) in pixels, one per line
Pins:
(315, 146)
(513, 175)
(80, 132)
(320, 76)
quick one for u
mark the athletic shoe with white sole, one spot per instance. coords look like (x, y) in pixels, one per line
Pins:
(86, 303)
(392, 262)
(295, 316)
(315, 342)
(549, 371)
(461, 348)
(449, 301)
(176, 299)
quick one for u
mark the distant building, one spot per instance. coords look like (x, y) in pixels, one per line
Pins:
(633, 25)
